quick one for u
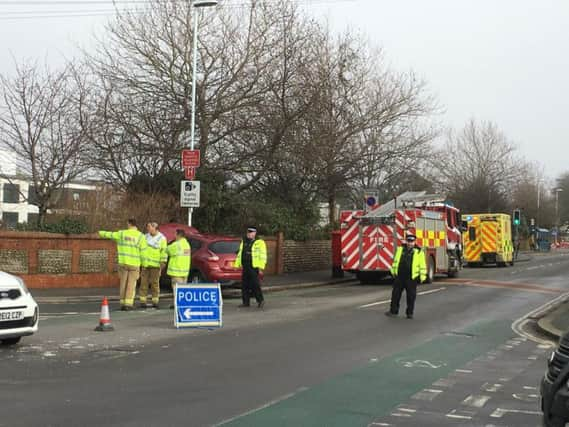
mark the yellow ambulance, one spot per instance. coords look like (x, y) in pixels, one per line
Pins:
(487, 239)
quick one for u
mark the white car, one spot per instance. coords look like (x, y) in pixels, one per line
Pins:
(19, 313)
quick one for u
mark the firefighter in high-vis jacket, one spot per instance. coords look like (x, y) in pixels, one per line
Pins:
(179, 260)
(409, 268)
(252, 256)
(130, 244)
(154, 259)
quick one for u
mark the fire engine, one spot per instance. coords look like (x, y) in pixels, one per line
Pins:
(369, 238)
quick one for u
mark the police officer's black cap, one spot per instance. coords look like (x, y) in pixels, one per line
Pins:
(411, 237)
(251, 229)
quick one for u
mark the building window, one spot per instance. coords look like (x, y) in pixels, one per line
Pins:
(10, 220)
(11, 193)
(33, 218)
(32, 196)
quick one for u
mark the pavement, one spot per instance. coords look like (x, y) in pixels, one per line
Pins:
(556, 322)
(272, 283)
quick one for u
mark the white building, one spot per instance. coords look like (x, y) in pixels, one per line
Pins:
(17, 196)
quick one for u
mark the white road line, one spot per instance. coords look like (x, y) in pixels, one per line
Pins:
(476, 401)
(460, 415)
(518, 325)
(432, 291)
(463, 371)
(499, 413)
(407, 410)
(266, 405)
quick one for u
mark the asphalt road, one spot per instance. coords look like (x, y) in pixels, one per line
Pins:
(315, 357)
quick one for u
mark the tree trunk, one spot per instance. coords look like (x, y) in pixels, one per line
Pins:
(42, 213)
(332, 207)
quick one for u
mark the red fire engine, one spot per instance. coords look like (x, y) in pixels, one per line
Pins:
(369, 239)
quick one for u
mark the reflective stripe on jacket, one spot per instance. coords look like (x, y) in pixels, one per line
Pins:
(418, 265)
(155, 252)
(179, 254)
(130, 244)
(258, 253)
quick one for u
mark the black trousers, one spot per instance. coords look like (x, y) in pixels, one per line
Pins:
(410, 287)
(250, 285)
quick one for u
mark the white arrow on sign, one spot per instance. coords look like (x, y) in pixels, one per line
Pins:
(188, 313)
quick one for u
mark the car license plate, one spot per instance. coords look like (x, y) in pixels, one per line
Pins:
(6, 316)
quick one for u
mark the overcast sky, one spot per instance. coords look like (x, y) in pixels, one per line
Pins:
(501, 60)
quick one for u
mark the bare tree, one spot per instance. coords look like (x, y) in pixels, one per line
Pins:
(479, 167)
(366, 123)
(41, 123)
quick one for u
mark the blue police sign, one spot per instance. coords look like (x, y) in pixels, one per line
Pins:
(198, 305)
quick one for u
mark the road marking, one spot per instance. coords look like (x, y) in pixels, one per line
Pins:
(499, 413)
(420, 364)
(396, 414)
(525, 397)
(518, 325)
(460, 415)
(491, 388)
(529, 287)
(463, 371)
(373, 304)
(407, 410)
(265, 406)
(476, 401)
(426, 394)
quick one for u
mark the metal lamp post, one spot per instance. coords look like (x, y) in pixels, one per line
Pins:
(557, 191)
(196, 4)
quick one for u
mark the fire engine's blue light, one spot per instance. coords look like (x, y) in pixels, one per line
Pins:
(370, 201)
(469, 218)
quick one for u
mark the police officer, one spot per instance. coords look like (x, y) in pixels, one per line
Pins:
(252, 256)
(153, 261)
(179, 260)
(130, 245)
(409, 268)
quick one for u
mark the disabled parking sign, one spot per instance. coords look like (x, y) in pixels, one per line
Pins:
(198, 305)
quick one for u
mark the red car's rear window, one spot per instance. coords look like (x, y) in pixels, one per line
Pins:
(223, 247)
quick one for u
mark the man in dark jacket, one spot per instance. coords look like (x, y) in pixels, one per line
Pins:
(409, 269)
(252, 257)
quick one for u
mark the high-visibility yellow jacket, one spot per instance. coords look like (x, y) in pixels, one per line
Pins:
(258, 253)
(180, 256)
(418, 265)
(155, 252)
(130, 244)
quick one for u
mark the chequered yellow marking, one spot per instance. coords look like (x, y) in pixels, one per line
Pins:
(419, 234)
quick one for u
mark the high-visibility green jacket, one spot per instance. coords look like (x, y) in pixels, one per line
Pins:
(258, 254)
(418, 265)
(130, 244)
(180, 256)
(155, 252)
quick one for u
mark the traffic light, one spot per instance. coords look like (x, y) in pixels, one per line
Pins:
(517, 217)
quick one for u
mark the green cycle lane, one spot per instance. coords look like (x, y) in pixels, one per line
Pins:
(367, 393)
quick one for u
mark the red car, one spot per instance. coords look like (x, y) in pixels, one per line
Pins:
(212, 256)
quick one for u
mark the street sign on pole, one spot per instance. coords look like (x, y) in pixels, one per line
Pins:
(198, 305)
(190, 158)
(189, 173)
(190, 194)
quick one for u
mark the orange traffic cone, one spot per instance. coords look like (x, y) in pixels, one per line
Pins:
(105, 320)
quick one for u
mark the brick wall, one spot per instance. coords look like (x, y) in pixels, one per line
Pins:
(307, 256)
(47, 260)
